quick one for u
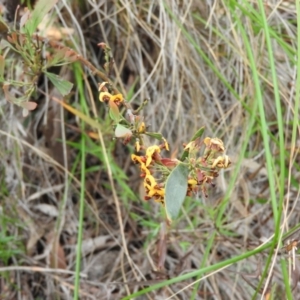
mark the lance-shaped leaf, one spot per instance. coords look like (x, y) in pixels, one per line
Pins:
(114, 111)
(198, 134)
(155, 135)
(175, 190)
(63, 86)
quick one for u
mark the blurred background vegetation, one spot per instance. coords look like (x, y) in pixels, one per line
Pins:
(231, 66)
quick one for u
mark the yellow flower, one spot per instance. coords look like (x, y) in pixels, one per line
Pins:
(137, 146)
(150, 152)
(160, 192)
(137, 159)
(105, 97)
(192, 182)
(214, 144)
(117, 99)
(166, 144)
(160, 196)
(221, 162)
(142, 128)
(145, 169)
(150, 180)
(154, 191)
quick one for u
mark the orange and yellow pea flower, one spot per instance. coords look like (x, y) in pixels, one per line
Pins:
(192, 182)
(192, 186)
(153, 189)
(106, 97)
(137, 146)
(160, 196)
(156, 192)
(150, 152)
(138, 159)
(214, 144)
(221, 162)
(144, 170)
(166, 145)
(150, 180)
(118, 99)
(142, 128)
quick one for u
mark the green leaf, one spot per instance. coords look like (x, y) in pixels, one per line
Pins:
(155, 135)
(41, 8)
(122, 131)
(198, 134)
(175, 190)
(63, 86)
(114, 111)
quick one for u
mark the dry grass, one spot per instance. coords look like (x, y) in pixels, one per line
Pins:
(41, 182)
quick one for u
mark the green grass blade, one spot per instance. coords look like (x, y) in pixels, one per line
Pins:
(276, 205)
(79, 81)
(200, 272)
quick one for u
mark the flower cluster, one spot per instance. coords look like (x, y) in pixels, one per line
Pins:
(150, 163)
(155, 169)
(203, 169)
